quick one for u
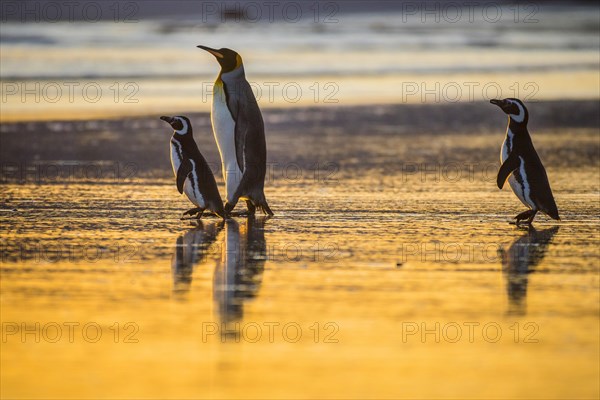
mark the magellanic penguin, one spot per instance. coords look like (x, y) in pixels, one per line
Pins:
(522, 165)
(240, 134)
(193, 175)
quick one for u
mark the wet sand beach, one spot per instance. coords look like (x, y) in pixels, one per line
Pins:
(389, 270)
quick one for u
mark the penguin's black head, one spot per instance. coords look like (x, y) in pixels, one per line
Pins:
(515, 109)
(180, 124)
(227, 58)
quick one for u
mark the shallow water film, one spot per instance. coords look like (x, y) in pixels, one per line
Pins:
(392, 268)
(385, 268)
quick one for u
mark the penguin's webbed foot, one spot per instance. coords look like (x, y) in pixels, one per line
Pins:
(526, 216)
(249, 213)
(213, 213)
(191, 212)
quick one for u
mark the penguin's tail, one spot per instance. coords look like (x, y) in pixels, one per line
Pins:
(217, 208)
(552, 212)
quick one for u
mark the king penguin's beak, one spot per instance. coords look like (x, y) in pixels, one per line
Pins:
(167, 119)
(499, 103)
(211, 51)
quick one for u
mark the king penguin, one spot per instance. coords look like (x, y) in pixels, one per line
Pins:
(193, 175)
(522, 166)
(240, 134)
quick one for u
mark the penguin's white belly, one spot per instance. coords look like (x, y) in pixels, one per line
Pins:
(224, 131)
(521, 191)
(191, 191)
(517, 189)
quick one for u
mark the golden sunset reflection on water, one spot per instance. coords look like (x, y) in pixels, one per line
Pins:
(390, 268)
(370, 301)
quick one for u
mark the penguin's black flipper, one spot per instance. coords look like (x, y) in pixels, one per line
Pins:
(182, 173)
(511, 163)
(240, 141)
(250, 149)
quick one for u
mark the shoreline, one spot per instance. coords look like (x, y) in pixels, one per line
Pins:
(112, 98)
(588, 103)
(354, 139)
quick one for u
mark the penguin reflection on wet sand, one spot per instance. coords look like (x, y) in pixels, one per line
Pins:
(522, 166)
(522, 256)
(190, 249)
(240, 134)
(192, 173)
(238, 276)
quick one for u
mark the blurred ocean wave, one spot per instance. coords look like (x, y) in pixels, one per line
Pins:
(333, 53)
(357, 41)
